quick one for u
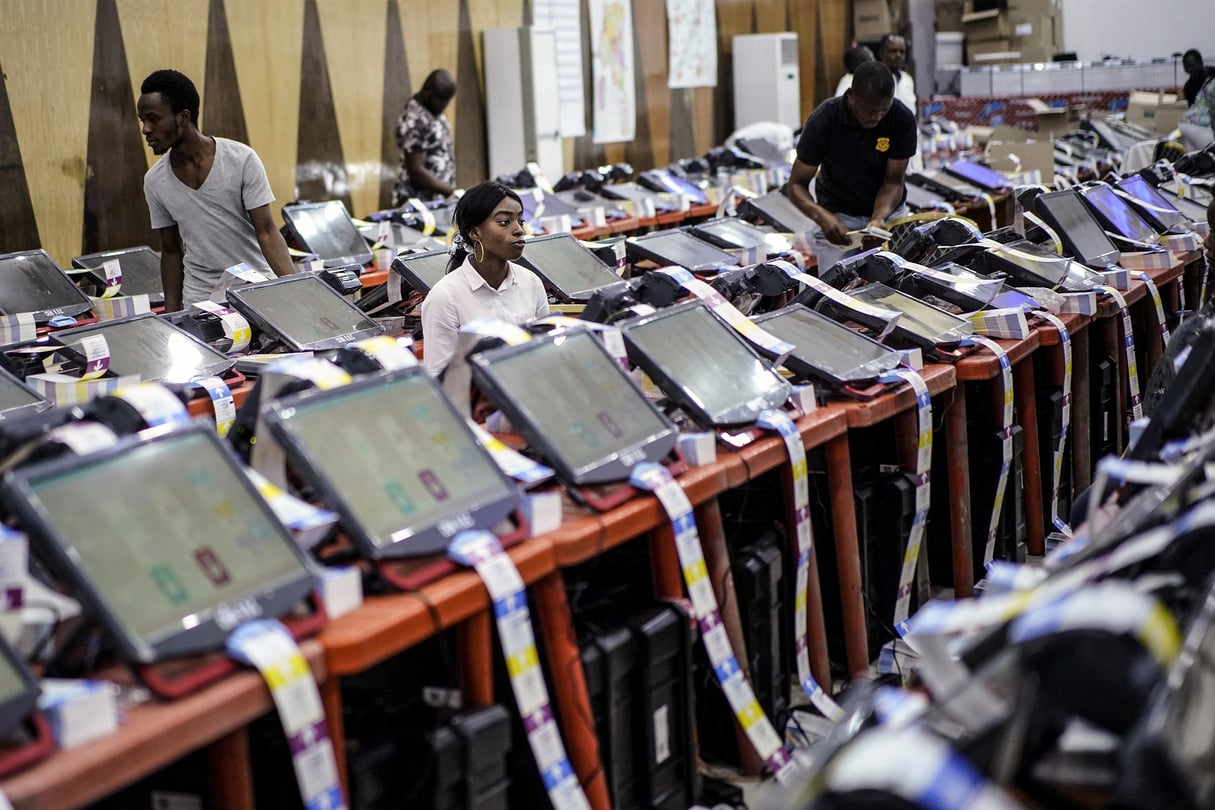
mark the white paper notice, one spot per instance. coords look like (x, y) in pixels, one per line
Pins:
(612, 71)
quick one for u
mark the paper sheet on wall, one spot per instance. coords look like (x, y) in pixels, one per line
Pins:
(614, 94)
(565, 18)
(692, 33)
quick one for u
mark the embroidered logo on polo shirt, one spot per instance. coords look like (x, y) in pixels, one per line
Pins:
(883, 144)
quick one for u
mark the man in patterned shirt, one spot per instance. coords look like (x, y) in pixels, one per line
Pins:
(428, 167)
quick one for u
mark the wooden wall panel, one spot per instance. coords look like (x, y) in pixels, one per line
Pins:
(432, 33)
(702, 117)
(164, 34)
(320, 171)
(734, 17)
(267, 46)
(356, 72)
(18, 228)
(804, 20)
(833, 23)
(651, 146)
(48, 62)
(397, 90)
(772, 16)
(115, 212)
(223, 112)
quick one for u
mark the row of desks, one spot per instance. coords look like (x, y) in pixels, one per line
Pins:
(155, 734)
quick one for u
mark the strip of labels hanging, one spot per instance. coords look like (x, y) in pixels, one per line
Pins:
(1154, 292)
(1006, 444)
(481, 551)
(887, 316)
(267, 646)
(1206, 273)
(727, 311)
(923, 474)
(656, 478)
(780, 422)
(1065, 344)
(1132, 366)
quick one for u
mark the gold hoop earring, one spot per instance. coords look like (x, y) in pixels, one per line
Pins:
(478, 251)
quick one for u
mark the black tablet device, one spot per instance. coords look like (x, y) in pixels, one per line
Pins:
(731, 232)
(922, 198)
(30, 281)
(569, 271)
(1117, 216)
(1081, 233)
(777, 210)
(163, 538)
(1162, 215)
(682, 249)
(1024, 262)
(140, 271)
(575, 405)
(302, 312)
(400, 237)
(153, 348)
(921, 324)
(422, 270)
(326, 229)
(952, 283)
(1193, 210)
(664, 180)
(980, 176)
(390, 454)
(703, 365)
(18, 690)
(16, 399)
(826, 350)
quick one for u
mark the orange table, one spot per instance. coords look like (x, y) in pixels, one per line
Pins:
(983, 366)
(155, 734)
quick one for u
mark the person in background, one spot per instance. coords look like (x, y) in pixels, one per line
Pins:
(1197, 123)
(428, 164)
(892, 52)
(1199, 74)
(856, 148)
(209, 198)
(853, 57)
(483, 279)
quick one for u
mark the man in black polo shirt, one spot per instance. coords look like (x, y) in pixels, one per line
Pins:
(857, 145)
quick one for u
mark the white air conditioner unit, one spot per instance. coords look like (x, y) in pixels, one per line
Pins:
(767, 79)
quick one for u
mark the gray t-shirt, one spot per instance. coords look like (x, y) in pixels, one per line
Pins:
(214, 220)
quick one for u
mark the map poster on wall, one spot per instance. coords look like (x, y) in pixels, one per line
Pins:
(612, 71)
(692, 32)
(564, 17)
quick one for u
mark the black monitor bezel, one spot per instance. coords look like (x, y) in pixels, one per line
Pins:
(680, 394)
(93, 261)
(1108, 224)
(902, 332)
(18, 706)
(236, 297)
(1140, 205)
(362, 258)
(209, 634)
(41, 316)
(706, 231)
(222, 363)
(617, 468)
(41, 404)
(804, 367)
(400, 266)
(551, 282)
(642, 245)
(432, 539)
(1042, 204)
(759, 208)
(954, 170)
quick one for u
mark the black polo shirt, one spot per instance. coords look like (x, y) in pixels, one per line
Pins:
(852, 161)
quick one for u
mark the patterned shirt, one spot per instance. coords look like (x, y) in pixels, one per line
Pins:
(1202, 112)
(420, 130)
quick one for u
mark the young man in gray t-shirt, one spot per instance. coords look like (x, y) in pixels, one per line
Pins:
(208, 197)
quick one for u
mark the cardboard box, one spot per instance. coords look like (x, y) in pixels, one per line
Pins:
(975, 50)
(1033, 156)
(985, 26)
(1157, 111)
(948, 14)
(871, 20)
(1052, 121)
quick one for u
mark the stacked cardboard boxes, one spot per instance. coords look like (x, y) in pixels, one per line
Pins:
(1019, 31)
